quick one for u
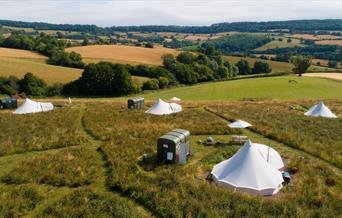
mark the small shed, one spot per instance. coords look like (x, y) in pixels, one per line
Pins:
(8, 103)
(136, 103)
(173, 147)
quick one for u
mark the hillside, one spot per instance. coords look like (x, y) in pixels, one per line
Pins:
(51, 74)
(122, 54)
(275, 65)
(289, 87)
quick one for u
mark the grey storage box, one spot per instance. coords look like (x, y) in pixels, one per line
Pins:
(173, 147)
(8, 103)
(136, 103)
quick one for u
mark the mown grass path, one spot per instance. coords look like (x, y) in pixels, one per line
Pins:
(101, 182)
(283, 148)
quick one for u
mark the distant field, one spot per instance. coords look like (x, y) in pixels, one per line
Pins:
(275, 65)
(279, 44)
(19, 53)
(50, 73)
(315, 37)
(122, 54)
(289, 87)
(336, 76)
(329, 42)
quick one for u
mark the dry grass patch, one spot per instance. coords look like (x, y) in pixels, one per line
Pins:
(329, 42)
(123, 54)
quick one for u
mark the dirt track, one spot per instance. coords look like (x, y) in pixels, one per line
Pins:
(336, 76)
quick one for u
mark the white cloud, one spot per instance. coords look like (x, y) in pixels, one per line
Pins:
(177, 12)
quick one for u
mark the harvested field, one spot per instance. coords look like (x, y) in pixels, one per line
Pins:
(336, 76)
(19, 53)
(329, 42)
(123, 54)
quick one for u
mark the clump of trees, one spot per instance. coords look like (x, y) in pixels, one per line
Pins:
(102, 79)
(29, 84)
(258, 68)
(46, 45)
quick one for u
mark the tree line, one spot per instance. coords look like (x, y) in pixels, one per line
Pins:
(292, 25)
(46, 45)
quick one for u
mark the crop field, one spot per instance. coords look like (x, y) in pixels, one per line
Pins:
(102, 175)
(123, 54)
(329, 42)
(51, 74)
(285, 87)
(19, 53)
(315, 37)
(335, 76)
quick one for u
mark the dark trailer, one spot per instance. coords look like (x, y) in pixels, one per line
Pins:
(136, 103)
(173, 147)
(8, 103)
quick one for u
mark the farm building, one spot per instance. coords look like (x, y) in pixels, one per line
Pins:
(8, 103)
(174, 147)
(30, 106)
(248, 171)
(136, 103)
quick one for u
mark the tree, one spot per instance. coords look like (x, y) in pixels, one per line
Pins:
(261, 67)
(163, 82)
(186, 58)
(32, 85)
(243, 66)
(85, 42)
(301, 64)
(122, 83)
(168, 60)
(149, 45)
(332, 64)
(210, 50)
(151, 84)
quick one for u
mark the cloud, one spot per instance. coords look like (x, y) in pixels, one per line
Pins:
(176, 12)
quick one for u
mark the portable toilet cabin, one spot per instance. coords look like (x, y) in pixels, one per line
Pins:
(184, 135)
(173, 147)
(8, 103)
(136, 103)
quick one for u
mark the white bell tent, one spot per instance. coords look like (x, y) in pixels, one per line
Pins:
(30, 106)
(320, 110)
(175, 99)
(239, 124)
(163, 108)
(270, 155)
(249, 172)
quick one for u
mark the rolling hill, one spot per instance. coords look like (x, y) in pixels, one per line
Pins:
(288, 87)
(122, 54)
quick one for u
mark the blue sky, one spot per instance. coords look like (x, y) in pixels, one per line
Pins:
(166, 12)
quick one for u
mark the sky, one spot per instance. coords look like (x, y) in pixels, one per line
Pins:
(166, 12)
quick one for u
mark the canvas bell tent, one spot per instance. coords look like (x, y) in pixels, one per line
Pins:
(239, 124)
(270, 155)
(163, 108)
(30, 106)
(320, 110)
(175, 99)
(248, 171)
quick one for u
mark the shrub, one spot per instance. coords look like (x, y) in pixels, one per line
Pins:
(151, 84)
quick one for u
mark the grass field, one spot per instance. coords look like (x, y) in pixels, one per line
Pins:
(103, 176)
(279, 44)
(289, 87)
(122, 54)
(275, 65)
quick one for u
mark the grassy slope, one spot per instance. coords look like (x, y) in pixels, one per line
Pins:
(122, 54)
(51, 74)
(272, 87)
(275, 65)
(279, 44)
